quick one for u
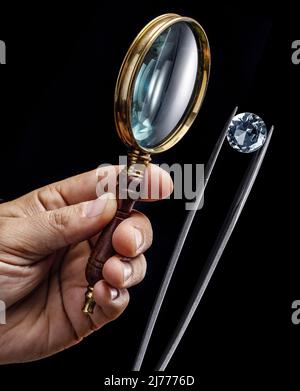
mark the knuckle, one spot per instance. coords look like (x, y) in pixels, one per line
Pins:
(45, 197)
(50, 197)
(58, 220)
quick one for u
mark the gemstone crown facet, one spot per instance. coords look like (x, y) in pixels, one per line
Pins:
(247, 132)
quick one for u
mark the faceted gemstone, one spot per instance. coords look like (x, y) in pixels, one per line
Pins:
(164, 85)
(247, 132)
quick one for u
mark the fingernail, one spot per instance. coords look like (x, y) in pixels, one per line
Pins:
(127, 270)
(96, 207)
(114, 293)
(139, 238)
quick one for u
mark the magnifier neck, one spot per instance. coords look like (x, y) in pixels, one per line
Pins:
(138, 157)
(137, 162)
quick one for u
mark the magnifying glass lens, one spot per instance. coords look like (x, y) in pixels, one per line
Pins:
(164, 85)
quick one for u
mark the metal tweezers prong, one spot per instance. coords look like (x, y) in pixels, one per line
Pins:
(178, 248)
(216, 253)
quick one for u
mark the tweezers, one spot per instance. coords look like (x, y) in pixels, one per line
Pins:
(213, 258)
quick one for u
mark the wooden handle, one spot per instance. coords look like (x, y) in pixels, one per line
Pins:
(103, 248)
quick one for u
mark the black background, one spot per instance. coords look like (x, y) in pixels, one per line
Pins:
(56, 120)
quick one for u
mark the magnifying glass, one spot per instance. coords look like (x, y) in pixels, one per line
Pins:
(159, 91)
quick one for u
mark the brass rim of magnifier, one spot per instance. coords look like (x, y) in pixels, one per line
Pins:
(130, 67)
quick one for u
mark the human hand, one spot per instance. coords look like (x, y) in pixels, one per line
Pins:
(45, 242)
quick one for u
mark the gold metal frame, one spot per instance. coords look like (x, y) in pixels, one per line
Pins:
(129, 69)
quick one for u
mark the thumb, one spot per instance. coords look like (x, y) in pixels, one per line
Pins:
(51, 230)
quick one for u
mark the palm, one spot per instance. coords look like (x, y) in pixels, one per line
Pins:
(54, 305)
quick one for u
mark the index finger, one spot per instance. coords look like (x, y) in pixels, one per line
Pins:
(83, 187)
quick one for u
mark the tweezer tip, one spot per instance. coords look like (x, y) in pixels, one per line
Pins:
(269, 135)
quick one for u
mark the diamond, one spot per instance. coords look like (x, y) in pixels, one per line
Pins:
(247, 132)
